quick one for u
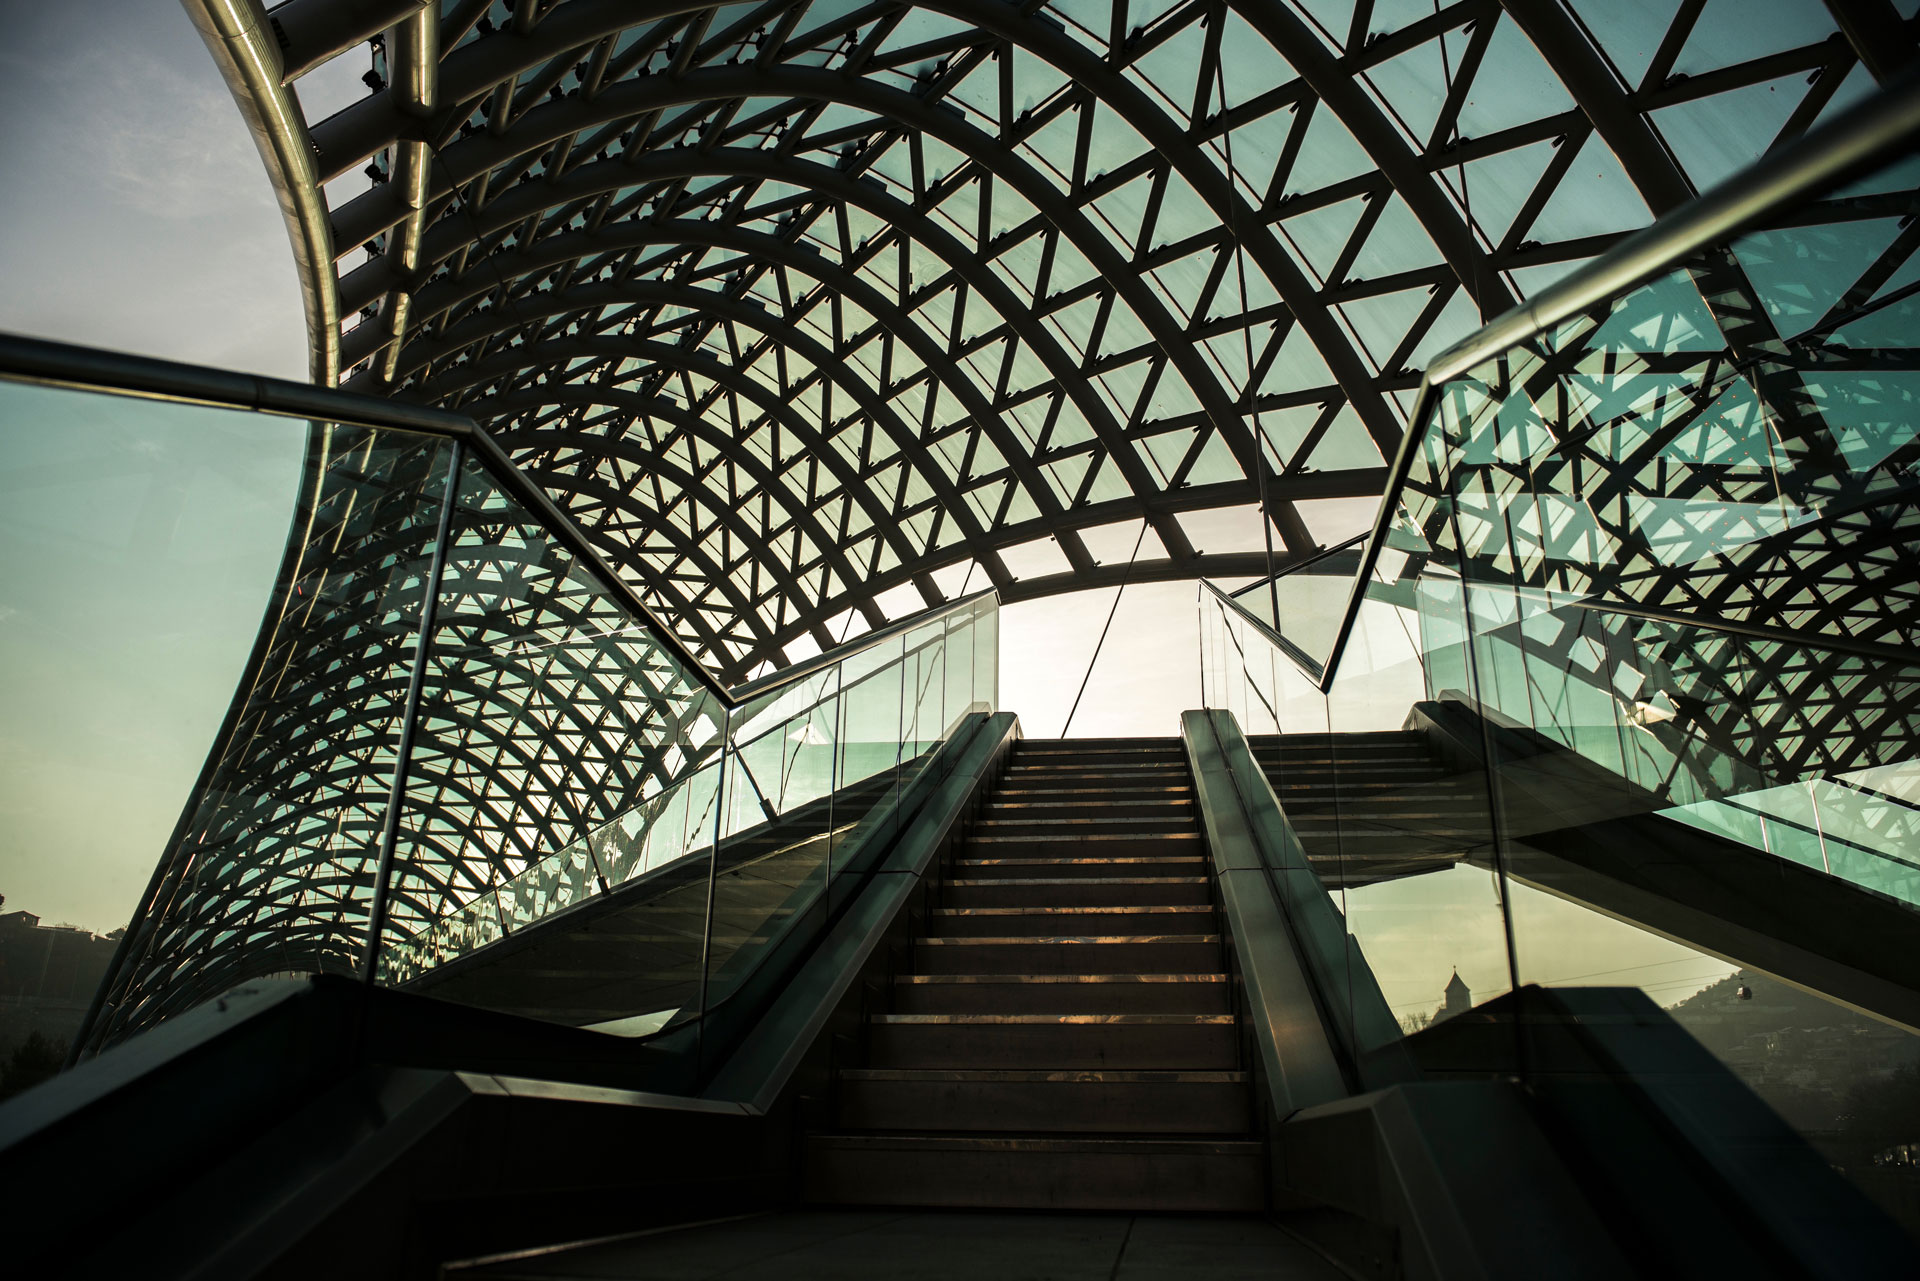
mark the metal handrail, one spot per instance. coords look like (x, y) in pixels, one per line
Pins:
(56, 364)
(1806, 168)
(1308, 666)
(1305, 566)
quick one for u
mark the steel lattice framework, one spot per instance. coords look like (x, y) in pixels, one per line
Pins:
(810, 312)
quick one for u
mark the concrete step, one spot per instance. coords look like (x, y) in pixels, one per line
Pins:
(1080, 1173)
(1144, 954)
(1086, 844)
(1080, 827)
(1452, 804)
(1376, 845)
(1049, 744)
(1393, 827)
(1077, 891)
(1091, 793)
(1323, 736)
(1117, 751)
(1141, 777)
(1198, 993)
(1040, 766)
(1053, 1041)
(1354, 772)
(1117, 806)
(1414, 754)
(1104, 865)
(1021, 922)
(1436, 789)
(1114, 1101)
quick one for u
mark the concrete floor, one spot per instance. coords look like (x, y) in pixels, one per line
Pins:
(880, 1245)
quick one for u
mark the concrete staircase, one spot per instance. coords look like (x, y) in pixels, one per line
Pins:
(1064, 1037)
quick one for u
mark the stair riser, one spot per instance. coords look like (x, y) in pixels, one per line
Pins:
(1444, 797)
(1019, 994)
(1197, 1182)
(1053, 1046)
(1118, 803)
(1025, 758)
(1080, 828)
(1080, 892)
(1390, 812)
(1173, 1107)
(1097, 765)
(987, 844)
(1010, 866)
(1393, 784)
(1380, 847)
(1059, 810)
(1135, 785)
(1420, 764)
(1158, 957)
(1081, 923)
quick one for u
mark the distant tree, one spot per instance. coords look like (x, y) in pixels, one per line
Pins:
(34, 1060)
(1419, 1019)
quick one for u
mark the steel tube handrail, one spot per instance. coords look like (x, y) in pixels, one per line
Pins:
(1325, 553)
(56, 364)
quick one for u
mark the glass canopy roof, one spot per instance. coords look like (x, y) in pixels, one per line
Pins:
(814, 313)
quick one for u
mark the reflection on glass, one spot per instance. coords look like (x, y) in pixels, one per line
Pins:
(273, 866)
(457, 754)
(143, 545)
(1631, 697)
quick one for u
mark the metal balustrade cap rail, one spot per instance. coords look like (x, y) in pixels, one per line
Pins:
(1853, 144)
(57, 364)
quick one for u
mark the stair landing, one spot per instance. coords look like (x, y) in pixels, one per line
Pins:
(888, 1245)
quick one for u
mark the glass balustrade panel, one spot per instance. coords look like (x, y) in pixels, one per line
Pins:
(563, 790)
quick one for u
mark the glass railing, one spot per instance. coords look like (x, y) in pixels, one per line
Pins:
(1626, 688)
(777, 803)
(436, 717)
(1306, 625)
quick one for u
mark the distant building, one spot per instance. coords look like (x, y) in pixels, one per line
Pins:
(1457, 999)
(48, 974)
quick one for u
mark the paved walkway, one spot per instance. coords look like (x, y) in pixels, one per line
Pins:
(877, 1245)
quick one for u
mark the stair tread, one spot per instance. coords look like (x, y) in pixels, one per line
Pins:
(1116, 820)
(1060, 978)
(1074, 861)
(1123, 909)
(971, 941)
(1078, 880)
(1094, 1144)
(1052, 1076)
(1051, 1020)
(1089, 836)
